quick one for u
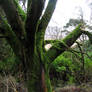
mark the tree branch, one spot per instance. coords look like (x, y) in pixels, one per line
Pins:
(7, 32)
(35, 8)
(13, 17)
(44, 23)
(62, 45)
(33, 15)
(21, 12)
(82, 55)
(50, 41)
(89, 35)
(74, 51)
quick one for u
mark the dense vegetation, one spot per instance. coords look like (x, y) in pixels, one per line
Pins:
(67, 69)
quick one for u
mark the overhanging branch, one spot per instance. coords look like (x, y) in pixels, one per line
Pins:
(61, 46)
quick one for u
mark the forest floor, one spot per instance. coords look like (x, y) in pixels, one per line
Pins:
(9, 83)
(72, 88)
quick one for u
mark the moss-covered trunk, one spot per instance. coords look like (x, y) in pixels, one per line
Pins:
(39, 81)
(37, 74)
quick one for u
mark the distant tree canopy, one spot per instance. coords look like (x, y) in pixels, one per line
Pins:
(25, 31)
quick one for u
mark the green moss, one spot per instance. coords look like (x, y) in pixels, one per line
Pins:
(11, 37)
(20, 10)
(48, 82)
(69, 40)
(61, 46)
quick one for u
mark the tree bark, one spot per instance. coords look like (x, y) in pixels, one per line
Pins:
(38, 76)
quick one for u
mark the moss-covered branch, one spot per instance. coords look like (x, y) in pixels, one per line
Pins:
(13, 17)
(61, 46)
(50, 41)
(21, 12)
(7, 32)
(44, 22)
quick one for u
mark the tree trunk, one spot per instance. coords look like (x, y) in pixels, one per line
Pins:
(38, 79)
(40, 83)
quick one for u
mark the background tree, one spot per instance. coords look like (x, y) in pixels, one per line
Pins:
(25, 31)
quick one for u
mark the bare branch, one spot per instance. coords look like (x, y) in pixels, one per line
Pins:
(72, 50)
(89, 35)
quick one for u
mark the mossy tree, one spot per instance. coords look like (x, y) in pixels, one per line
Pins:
(25, 34)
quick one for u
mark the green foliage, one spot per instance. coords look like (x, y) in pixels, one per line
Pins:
(4, 49)
(70, 66)
(7, 57)
(7, 64)
(61, 63)
(63, 69)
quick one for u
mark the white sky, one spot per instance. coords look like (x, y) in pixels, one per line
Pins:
(66, 9)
